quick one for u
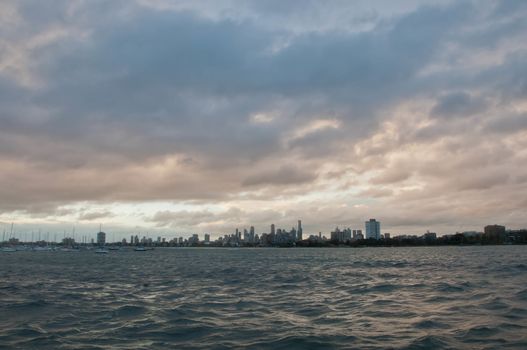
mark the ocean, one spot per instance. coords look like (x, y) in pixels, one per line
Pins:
(266, 298)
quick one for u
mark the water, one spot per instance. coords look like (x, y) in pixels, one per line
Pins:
(416, 298)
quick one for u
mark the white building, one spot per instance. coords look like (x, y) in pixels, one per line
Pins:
(373, 229)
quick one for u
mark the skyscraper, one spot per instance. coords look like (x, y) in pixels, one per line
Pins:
(373, 229)
(251, 235)
(299, 231)
(272, 229)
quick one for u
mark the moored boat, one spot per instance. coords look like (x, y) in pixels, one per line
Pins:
(8, 249)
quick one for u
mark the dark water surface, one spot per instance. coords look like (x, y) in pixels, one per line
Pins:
(429, 298)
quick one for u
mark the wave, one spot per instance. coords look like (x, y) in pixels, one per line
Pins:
(436, 298)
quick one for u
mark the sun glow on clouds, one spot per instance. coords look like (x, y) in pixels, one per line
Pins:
(262, 118)
(315, 126)
(207, 116)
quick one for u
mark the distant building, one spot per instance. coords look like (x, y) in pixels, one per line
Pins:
(469, 234)
(339, 236)
(194, 239)
(430, 236)
(252, 237)
(101, 238)
(386, 235)
(357, 234)
(299, 231)
(245, 235)
(67, 242)
(207, 238)
(373, 229)
(495, 232)
(518, 236)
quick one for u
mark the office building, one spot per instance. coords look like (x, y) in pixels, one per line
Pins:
(373, 229)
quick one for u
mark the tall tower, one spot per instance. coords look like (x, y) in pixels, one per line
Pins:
(299, 230)
(373, 229)
(272, 229)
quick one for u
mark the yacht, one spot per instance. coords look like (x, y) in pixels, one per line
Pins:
(69, 249)
(101, 250)
(8, 250)
(42, 249)
(140, 249)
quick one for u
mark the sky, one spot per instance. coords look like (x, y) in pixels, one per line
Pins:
(175, 117)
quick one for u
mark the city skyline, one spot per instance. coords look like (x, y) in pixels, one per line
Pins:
(371, 229)
(159, 116)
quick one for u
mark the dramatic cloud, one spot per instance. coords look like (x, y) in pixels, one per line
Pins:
(207, 116)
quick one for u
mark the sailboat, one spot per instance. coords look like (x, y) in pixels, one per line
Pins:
(9, 249)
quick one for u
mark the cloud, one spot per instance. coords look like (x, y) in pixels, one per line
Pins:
(285, 175)
(458, 104)
(91, 216)
(235, 104)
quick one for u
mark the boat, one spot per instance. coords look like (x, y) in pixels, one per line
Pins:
(69, 249)
(140, 249)
(42, 249)
(8, 250)
(101, 251)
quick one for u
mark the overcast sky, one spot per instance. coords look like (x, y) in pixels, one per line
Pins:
(182, 116)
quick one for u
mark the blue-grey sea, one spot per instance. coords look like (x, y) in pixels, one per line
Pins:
(267, 298)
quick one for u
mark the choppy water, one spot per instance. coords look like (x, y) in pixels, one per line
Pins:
(444, 297)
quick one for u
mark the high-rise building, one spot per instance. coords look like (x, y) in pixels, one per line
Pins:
(207, 238)
(272, 229)
(299, 231)
(101, 238)
(373, 229)
(251, 235)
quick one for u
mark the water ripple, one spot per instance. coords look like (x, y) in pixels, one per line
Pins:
(404, 298)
